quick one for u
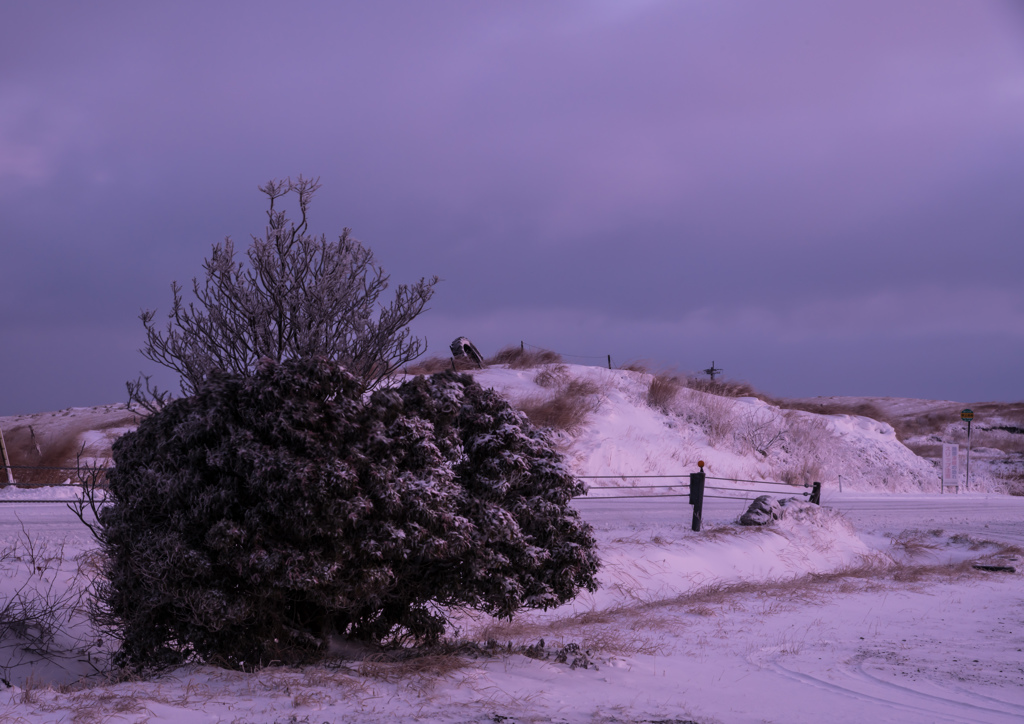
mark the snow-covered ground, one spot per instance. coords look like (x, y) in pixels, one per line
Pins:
(865, 609)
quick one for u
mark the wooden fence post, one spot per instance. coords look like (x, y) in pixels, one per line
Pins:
(697, 496)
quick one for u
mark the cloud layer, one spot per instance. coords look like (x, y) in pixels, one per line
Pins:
(797, 190)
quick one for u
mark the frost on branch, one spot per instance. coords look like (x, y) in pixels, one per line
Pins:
(268, 513)
(298, 296)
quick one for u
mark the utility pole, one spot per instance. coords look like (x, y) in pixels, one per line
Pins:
(712, 371)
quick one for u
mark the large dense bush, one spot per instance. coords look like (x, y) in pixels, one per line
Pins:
(266, 514)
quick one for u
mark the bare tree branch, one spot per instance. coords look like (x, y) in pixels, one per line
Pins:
(296, 295)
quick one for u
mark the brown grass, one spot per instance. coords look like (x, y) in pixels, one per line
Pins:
(662, 390)
(566, 408)
(552, 376)
(636, 366)
(837, 407)
(433, 365)
(26, 448)
(725, 388)
(520, 358)
(429, 665)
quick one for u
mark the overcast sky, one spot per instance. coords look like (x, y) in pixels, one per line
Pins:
(825, 198)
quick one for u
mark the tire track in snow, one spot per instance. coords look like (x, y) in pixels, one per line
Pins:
(977, 709)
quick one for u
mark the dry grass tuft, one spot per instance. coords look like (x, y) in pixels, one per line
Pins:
(102, 706)
(566, 408)
(1014, 484)
(714, 415)
(725, 388)
(434, 666)
(662, 390)
(552, 376)
(433, 365)
(520, 358)
(636, 366)
(913, 542)
(801, 472)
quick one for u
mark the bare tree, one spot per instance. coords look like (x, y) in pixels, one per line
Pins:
(299, 296)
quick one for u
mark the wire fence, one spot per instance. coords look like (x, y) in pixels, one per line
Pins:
(691, 485)
(686, 476)
(696, 490)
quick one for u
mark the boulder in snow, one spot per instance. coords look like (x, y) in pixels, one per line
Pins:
(763, 511)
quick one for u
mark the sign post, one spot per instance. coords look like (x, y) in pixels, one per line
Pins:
(950, 466)
(967, 415)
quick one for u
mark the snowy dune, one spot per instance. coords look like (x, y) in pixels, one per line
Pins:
(626, 436)
(865, 609)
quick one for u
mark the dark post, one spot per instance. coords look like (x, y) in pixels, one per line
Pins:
(816, 493)
(609, 361)
(697, 495)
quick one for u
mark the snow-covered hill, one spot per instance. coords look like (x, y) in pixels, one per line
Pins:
(863, 609)
(617, 431)
(742, 438)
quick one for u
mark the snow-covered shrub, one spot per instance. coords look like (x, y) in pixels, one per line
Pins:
(266, 514)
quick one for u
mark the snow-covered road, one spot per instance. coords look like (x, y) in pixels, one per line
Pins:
(718, 626)
(996, 517)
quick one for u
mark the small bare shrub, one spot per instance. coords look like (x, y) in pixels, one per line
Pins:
(662, 390)
(520, 358)
(762, 429)
(41, 611)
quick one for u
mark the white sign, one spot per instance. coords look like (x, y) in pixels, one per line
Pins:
(950, 463)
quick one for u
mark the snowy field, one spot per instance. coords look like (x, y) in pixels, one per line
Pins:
(868, 608)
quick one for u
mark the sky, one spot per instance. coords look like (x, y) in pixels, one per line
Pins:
(823, 198)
